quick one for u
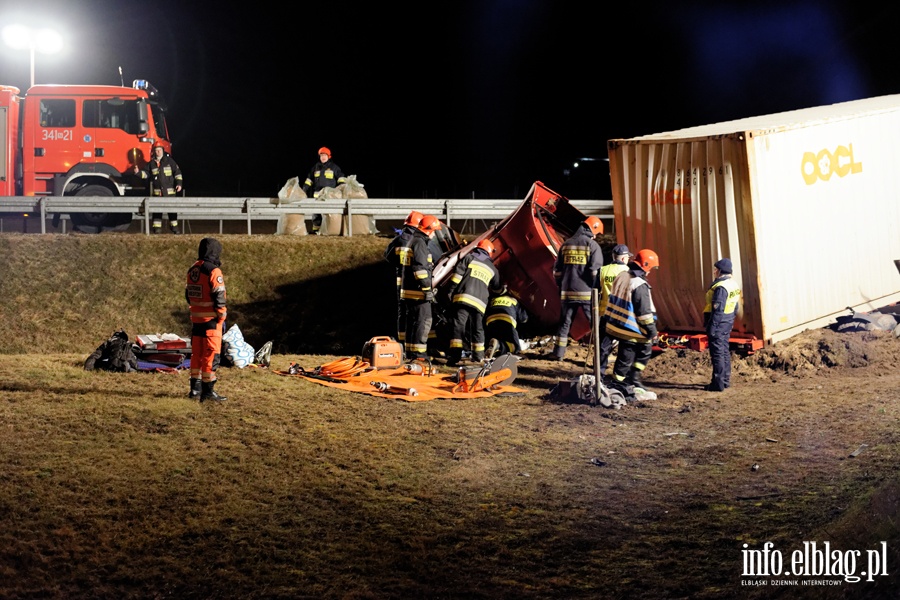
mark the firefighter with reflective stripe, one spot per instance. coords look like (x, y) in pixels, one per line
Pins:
(323, 174)
(722, 300)
(631, 319)
(205, 293)
(501, 321)
(620, 257)
(416, 292)
(392, 256)
(165, 179)
(575, 271)
(471, 284)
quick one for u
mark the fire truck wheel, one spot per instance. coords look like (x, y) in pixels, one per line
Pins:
(97, 222)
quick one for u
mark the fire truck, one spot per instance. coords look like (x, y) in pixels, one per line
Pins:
(79, 140)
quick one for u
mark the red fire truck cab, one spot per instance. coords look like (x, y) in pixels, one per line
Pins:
(79, 140)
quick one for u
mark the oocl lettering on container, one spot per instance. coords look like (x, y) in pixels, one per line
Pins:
(823, 164)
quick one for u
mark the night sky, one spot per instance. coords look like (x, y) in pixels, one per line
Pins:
(455, 99)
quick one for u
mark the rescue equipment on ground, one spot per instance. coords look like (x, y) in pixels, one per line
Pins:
(383, 386)
(356, 375)
(383, 352)
(498, 371)
(115, 354)
(420, 366)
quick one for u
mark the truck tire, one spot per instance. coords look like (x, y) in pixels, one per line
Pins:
(98, 222)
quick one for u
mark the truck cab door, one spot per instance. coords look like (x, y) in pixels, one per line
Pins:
(55, 147)
(113, 126)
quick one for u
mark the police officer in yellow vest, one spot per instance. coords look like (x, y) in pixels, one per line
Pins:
(722, 299)
(620, 257)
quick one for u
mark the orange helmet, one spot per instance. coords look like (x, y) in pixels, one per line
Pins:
(324, 150)
(594, 224)
(414, 218)
(647, 259)
(486, 245)
(157, 144)
(429, 224)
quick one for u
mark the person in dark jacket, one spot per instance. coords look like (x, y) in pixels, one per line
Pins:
(416, 291)
(722, 300)
(164, 176)
(473, 279)
(575, 270)
(501, 321)
(323, 174)
(631, 319)
(205, 294)
(393, 255)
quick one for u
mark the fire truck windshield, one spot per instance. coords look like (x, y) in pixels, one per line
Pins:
(159, 119)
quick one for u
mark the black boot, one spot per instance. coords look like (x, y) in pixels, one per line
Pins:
(195, 388)
(207, 392)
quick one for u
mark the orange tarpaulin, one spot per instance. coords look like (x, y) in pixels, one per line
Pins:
(400, 385)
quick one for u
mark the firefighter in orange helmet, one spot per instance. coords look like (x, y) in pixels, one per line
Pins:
(631, 319)
(323, 174)
(471, 284)
(205, 294)
(416, 291)
(575, 271)
(392, 254)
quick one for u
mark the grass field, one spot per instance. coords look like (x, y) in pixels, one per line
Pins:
(118, 486)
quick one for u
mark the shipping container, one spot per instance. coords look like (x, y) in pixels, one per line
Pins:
(806, 204)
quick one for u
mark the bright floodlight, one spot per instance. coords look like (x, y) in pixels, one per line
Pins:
(20, 37)
(47, 41)
(17, 36)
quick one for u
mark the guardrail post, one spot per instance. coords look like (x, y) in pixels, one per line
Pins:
(349, 210)
(148, 209)
(43, 216)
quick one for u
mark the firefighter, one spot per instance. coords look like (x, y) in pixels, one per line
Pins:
(575, 271)
(722, 299)
(205, 294)
(416, 292)
(631, 320)
(392, 256)
(165, 180)
(503, 316)
(620, 257)
(323, 174)
(471, 284)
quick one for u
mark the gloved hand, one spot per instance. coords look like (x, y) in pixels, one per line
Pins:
(429, 296)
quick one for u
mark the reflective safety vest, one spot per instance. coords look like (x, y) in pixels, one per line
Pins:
(608, 274)
(205, 291)
(630, 314)
(731, 302)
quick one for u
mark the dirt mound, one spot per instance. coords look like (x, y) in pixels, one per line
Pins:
(811, 353)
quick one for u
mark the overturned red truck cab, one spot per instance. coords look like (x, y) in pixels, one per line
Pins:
(526, 244)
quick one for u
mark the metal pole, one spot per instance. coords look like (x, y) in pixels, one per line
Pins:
(595, 322)
(31, 49)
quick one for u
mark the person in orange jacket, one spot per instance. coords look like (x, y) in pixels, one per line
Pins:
(205, 294)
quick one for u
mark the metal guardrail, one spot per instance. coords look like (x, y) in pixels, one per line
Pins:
(253, 209)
